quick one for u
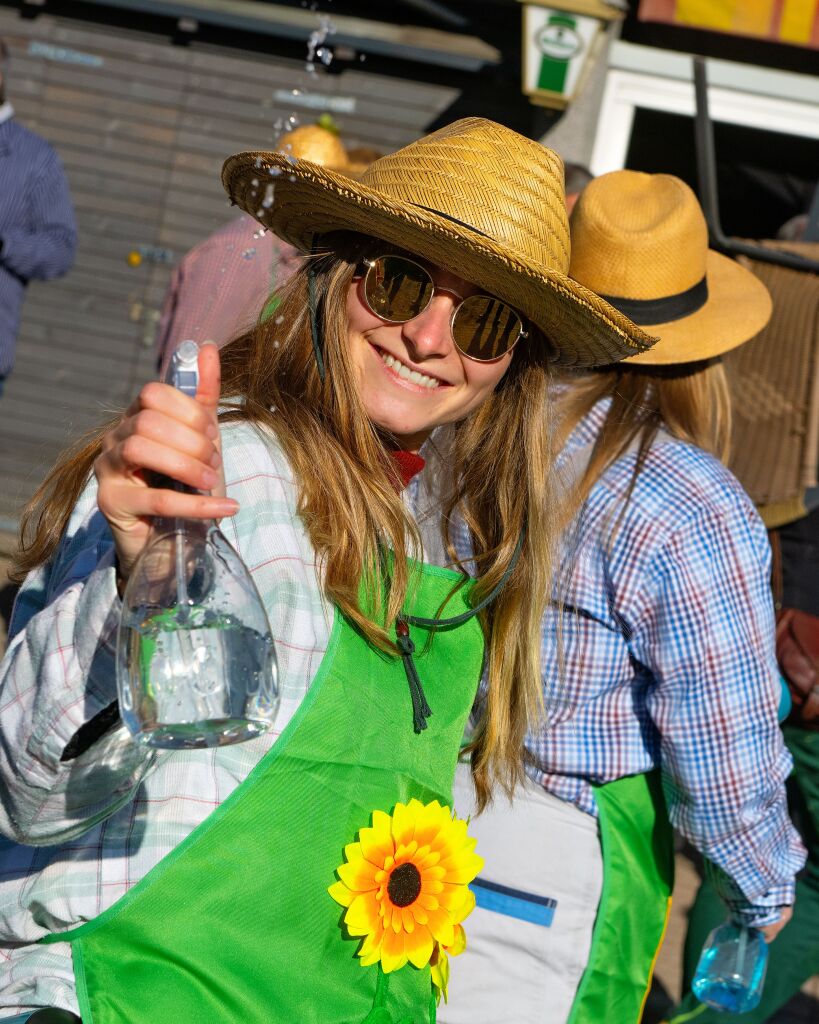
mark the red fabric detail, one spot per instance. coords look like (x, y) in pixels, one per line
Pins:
(409, 465)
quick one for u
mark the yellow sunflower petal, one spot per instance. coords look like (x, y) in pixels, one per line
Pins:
(403, 823)
(440, 972)
(418, 912)
(393, 953)
(459, 945)
(358, 875)
(341, 894)
(376, 842)
(362, 915)
(441, 927)
(419, 947)
(370, 950)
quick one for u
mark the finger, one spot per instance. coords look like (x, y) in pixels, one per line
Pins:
(156, 426)
(172, 403)
(141, 453)
(150, 502)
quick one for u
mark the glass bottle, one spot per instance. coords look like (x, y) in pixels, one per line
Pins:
(196, 661)
(731, 969)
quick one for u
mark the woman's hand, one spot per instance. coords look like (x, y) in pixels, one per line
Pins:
(163, 431)
(770, 931)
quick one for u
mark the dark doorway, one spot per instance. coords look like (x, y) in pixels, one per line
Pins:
(764, 177)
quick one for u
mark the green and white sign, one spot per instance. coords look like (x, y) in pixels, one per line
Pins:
(556, 46)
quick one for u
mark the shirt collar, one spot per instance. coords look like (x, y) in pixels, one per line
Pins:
(6, 111)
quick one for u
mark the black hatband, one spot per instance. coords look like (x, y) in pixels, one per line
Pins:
(663, 310)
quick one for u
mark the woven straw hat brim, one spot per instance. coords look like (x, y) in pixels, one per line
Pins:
(308, 201)
(738, 307)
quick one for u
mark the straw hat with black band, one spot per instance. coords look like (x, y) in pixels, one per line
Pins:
(474, 197)
(641, 241)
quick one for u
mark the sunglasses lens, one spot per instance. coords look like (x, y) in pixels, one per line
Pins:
(485, 328)
(397, 289)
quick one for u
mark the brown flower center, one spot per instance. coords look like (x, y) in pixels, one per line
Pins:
(404, 886)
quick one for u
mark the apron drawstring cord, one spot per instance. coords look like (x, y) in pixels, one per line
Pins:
(421, 710)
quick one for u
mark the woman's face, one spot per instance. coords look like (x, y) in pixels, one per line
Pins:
(383, 354)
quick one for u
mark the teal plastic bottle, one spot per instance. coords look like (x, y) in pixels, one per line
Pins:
(731, 969)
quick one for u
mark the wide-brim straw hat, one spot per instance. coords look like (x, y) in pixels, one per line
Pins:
(641, 241)
(475, 198)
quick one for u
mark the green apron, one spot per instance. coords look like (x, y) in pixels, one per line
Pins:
(235, 924)
(638, 877)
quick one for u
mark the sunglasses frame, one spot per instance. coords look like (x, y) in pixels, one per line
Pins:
(436, 289)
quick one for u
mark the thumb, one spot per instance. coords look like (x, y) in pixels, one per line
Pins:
(210, 377)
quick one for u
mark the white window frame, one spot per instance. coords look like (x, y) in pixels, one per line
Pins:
(652, 79)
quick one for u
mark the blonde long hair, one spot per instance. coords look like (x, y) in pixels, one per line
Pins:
(691, 401)
(348, 499)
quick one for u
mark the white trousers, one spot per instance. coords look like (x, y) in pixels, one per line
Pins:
(515, 970)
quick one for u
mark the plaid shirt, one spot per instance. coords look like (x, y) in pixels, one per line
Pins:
(58, 673)
(668, 660)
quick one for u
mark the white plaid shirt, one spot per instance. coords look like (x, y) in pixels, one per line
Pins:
(58, 673)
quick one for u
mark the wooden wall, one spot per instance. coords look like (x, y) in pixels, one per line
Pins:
(142, 128)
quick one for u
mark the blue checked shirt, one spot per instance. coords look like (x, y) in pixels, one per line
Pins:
(668, 660)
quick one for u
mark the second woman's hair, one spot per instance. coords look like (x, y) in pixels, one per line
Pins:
(691, 401)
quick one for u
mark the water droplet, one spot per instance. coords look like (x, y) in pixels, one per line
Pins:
(267, 202)
(292, 177)
(274, 172)
(255, 182)
(279, 319)
(275, 344)
(248, 254)
(295, 92)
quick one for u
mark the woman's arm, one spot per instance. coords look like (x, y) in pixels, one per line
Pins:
(61, 770)
(707, 636)
(57, 677)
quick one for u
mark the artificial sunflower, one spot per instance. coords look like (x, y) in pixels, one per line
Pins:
(405, 884)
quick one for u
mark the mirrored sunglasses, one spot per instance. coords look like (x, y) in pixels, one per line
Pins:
(397, 290)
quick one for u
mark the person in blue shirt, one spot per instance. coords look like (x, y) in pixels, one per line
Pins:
(38, 235)
(660, 676)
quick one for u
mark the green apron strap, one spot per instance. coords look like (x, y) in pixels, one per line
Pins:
(638, 877)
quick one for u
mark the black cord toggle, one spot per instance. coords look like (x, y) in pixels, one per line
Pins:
(421, 710)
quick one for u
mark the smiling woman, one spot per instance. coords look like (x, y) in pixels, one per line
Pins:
(408, 339)
(435, 295)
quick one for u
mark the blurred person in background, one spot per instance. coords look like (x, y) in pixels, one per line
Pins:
(661, 636)
(38, 235)
(222, 286)
(577, 177)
